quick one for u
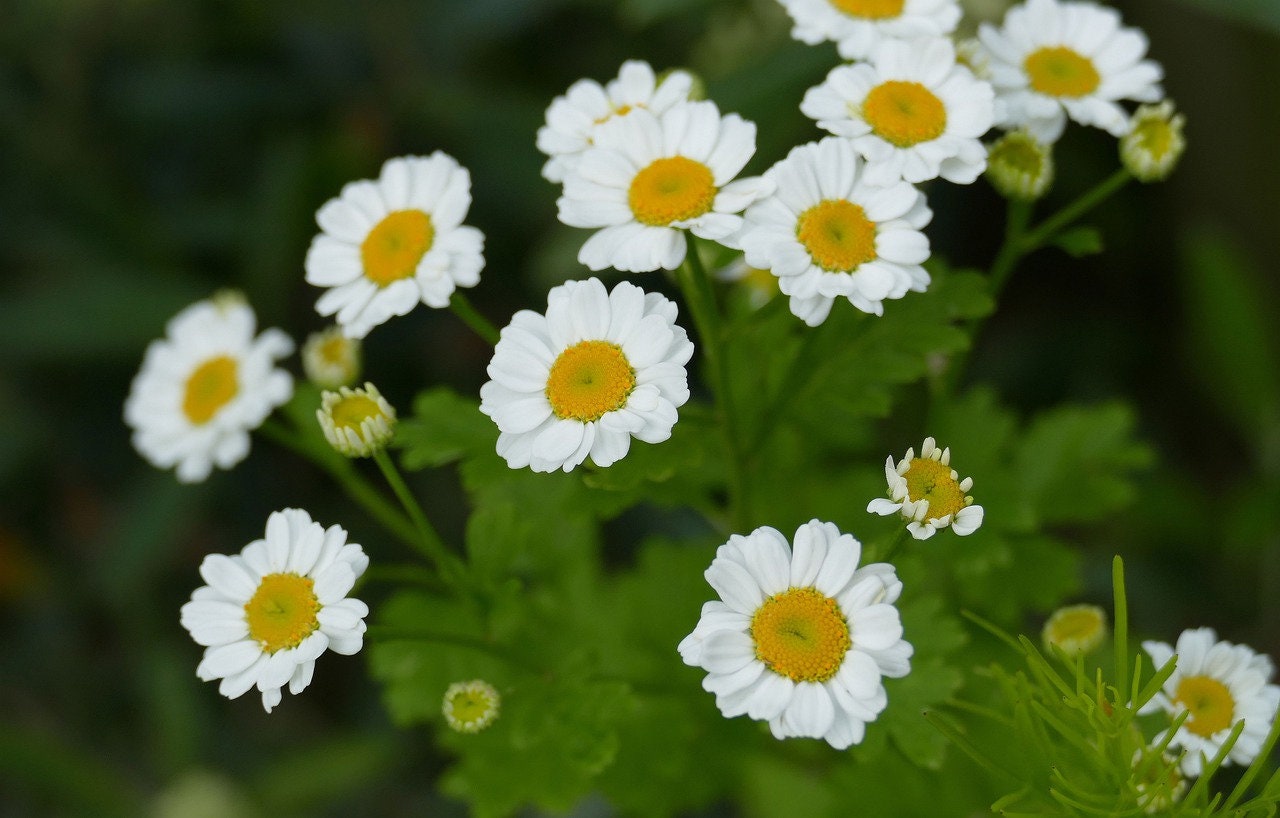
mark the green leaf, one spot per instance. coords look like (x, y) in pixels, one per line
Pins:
(445, 427)
(1076, 464)
(547, 748)
(1080, 241)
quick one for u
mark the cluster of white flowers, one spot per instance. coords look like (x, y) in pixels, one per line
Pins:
(801, 636)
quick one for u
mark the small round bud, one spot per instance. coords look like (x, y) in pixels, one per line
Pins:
(1154, 144)
(469, 707)
(356, 422)
(331, 359)
(1076, 629)
(1019, 166)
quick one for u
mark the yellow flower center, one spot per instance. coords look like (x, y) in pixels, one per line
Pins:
(211, 386)
(928, 479)
(394, 247)
(1210, 702)
(1018, 153)
(801, 634)
(588, 380)
(671, 190)
(282, 611)
(870, 9)
(837, 234)
(335, 350)
(1061, 72)
(354, 410)
(904, 113)
(470, 705)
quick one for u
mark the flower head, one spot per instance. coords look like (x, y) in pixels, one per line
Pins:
(573, 120)
(469, 707)
(800, 637)
(356, 422)
(1019, 166)
(828, 231)
(1217, 684)
(859, 26)
(598, 369)
(912, 112)
(1076, 629)
(387, 245)
(270, 611)
(1154, 144)
(204, 386)
(331, 359)
(647, 179)
(929, 493)
(1052, 60)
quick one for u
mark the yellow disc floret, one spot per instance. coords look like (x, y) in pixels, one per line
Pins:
(353, 410)
(934, 481)
(1076, 628)
(588, 380)
(1061, 72)
(469, 707)
(870, 9)
(210, 387)
(282, 611)
(671, 190)
(837, 234)
(1210, 703)
(801, 634)
(394, 247)
(904, 113)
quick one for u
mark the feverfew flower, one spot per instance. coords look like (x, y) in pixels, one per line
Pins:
(390, 244)
(1218, 684)
(204, 386)
(269, 612)
(1154, 144)
(929, 493)
(331, 359)
(1076, 629)
(828, 231)
(356, 422)
(597, 370)
(858, 26)
(800, 638)
(1052, 60)
(648, 179)
(469, 707)
(912, 111)
(574, 119)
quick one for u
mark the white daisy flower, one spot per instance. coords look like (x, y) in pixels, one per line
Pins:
(574, 119)
(1218, 684)
(204, 386)
(597, 370)
(1052, 60)
(648, 179)
(929, 493)
(390, 244)
(269, 612)
(858, 26)
(912, 111)
(828, 231)
(800, 638)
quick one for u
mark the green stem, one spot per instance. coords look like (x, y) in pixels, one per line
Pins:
(462, 308)
(899, 539)
(340, 469)
(700, 296)
(428, 540)
(1042, 233)
(1120, 639)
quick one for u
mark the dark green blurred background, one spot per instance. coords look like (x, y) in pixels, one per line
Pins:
(153, 152)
